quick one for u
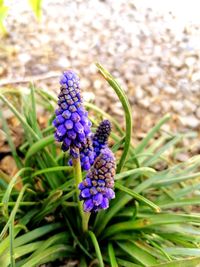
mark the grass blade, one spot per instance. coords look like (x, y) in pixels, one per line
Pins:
(8, 191)
(140, 255)
(151, 220)
(142, 170)
(97, 248)
(126, 263)
(20, 118)
(53, 169)
(14, 211)
(36, 147)
(191, 262)
(50, 254)
(111, 253)
(11, 234)
(36, 233)
(128, 114)
(138, 197)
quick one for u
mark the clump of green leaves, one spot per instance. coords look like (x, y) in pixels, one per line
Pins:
(151, 222)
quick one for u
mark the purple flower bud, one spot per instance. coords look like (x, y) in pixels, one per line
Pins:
(78, 127)
(58, 111)
(81, 137)
(97, 199)
(67, 141)
(69, 124)
(88, 205)
(86, 193)
(110, 194)
(61, 131)
(64, 147)
(104, 204)
(71, 135)
(81, 186)
(87, 182)
(66, 114)
(58, 120)
(75, 117)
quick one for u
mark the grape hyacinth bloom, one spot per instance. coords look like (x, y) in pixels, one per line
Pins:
(71, 122)
(100, 138)
(97, 188)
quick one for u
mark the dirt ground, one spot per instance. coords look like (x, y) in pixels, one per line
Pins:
(154, 57)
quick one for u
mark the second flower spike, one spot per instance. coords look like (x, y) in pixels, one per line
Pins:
(97, 189)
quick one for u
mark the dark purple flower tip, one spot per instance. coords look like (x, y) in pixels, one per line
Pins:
(103, 131)
(88, 205)
(100, 138)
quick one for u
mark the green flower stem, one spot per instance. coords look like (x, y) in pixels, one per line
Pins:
(78, 179)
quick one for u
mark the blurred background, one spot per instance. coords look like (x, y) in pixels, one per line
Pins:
(151, 47)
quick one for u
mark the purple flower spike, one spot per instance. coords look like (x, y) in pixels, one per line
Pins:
(71, 123)
(100, 138)
(97, 189)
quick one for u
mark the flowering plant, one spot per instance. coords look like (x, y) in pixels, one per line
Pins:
(91, 198)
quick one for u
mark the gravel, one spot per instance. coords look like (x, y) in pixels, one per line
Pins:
(154, 59)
